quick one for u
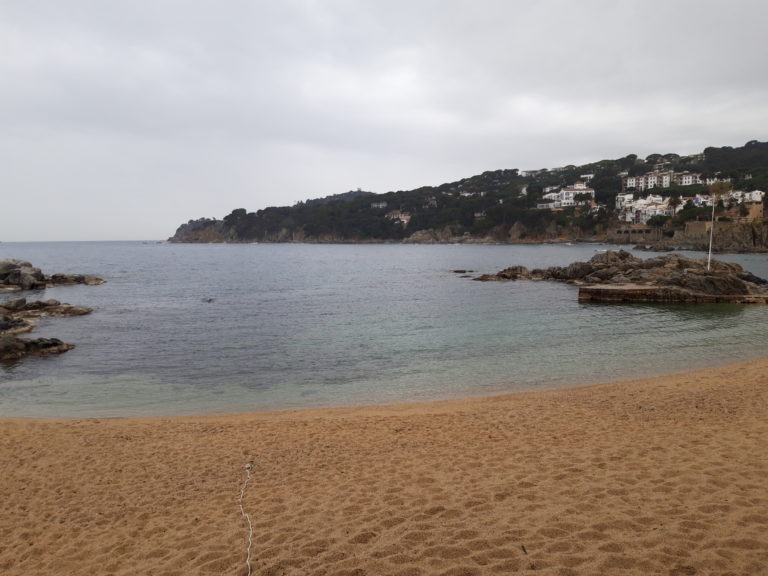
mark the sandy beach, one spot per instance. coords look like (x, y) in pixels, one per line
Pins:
(660, 476)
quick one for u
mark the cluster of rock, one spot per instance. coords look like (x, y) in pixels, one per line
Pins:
(12, 348)
(18, 316)
(20, 275)
(622, 277)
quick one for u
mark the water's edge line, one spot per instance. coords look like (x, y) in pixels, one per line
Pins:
(401, 407)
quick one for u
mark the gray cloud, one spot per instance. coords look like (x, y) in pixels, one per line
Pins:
(122, 120)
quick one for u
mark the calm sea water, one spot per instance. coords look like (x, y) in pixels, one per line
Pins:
(195, 328)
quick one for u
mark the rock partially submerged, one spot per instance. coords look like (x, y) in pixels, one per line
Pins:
(623, 277)
(36, 309)
(12, 348)
(21, 275)
(18, 316)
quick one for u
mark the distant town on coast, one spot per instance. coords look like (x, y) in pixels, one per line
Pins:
(662, 201)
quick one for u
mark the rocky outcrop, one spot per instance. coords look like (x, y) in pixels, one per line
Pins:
(203, 230)
(21, 275)
(448, 235)
(21, 308)
(10, 325)
(18, 316)
(12, 348)
(727, 237)
(621, 276)
(734, 237)
(72, 279)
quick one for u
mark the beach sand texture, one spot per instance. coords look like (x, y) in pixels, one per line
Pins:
(660, 476)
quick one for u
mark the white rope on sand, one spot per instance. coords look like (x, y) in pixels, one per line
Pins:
(248, 468)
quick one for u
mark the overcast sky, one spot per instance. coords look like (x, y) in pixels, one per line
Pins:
(120, 120)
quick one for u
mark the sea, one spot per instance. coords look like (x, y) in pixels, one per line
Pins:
(227, 328)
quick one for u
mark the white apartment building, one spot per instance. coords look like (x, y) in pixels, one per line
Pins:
(650, 180)
(643, 209)
(687, 179)
(739, 196)
(567, 196)
(622, 200)
(756, 196)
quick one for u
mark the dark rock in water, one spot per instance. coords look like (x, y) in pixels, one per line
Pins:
(603, 275)
(488, 278)
(572, 272)
(36, 309)
(695, 281)
(17, 316)
(15, 305)
(21, 275)
(11, 325)
(12, 348)
(513, 273)
(621, 276)
(72, 279)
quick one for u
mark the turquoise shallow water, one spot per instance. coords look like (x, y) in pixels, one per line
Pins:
(293, 326)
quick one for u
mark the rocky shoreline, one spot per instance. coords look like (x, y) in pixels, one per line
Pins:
(16, 275)
(18, 316)
(730, 237)
(622, 277)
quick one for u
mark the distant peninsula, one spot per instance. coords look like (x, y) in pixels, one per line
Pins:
(662, 201)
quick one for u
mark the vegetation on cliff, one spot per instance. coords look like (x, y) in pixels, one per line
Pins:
(498, 205)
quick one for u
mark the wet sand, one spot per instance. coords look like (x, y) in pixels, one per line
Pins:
(661, 476)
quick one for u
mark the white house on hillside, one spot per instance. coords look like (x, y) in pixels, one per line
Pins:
(649, 180)
(687, 179)
(567, 196)
(643, 209)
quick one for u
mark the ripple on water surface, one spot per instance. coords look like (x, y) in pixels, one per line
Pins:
(211, 328)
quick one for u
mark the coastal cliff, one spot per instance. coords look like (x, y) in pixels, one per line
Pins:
(727, 237)
(207, 230)
(518, 207)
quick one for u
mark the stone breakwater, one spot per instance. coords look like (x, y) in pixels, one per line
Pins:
(19, 316)
(622, 277)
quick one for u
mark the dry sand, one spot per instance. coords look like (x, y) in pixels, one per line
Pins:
(661, 476)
